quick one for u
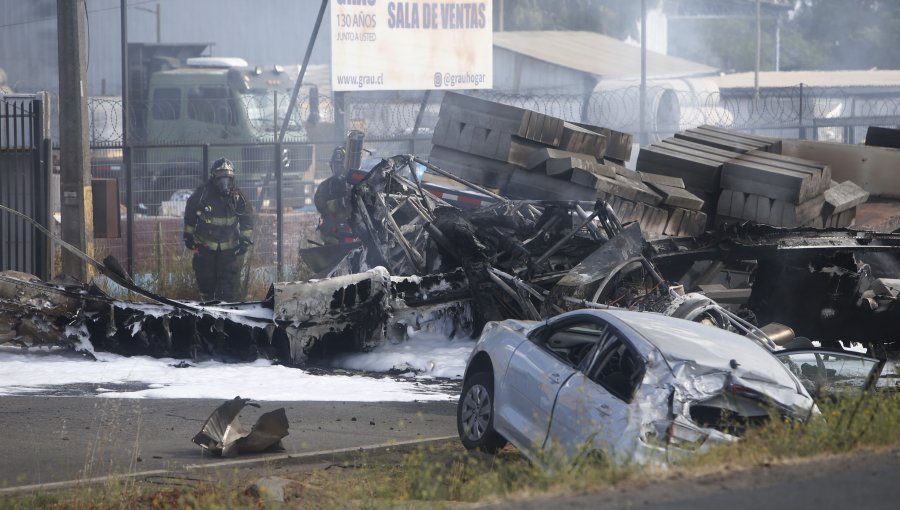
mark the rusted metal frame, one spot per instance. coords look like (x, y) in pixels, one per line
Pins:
(648, 266)
(415, 203)
(420, 238)
(367, 221)
(553, 249)
(523, 302)
(615, 271)
(400, 203)
(583, 303)
(424, 196)
(525, 207)
(421, 211)
(609, 220)
(548, 278)
(656, 276)
(521, 291)
(550, 224)
(460, 180)
(527, 286)
(518, 206)
(414, 257)
(400, 198)
(412, 170)
(593, 228)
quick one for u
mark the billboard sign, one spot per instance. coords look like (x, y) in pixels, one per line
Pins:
(411, 45)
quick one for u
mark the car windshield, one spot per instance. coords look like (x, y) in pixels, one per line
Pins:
(830, 374)
(260, 105)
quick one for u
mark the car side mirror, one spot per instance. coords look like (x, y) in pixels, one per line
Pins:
(653, 359)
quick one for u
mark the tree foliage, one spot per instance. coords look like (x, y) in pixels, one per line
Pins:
(816, 34)
(844, 34)
(615, 18)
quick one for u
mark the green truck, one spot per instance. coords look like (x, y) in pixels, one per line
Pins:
(186, 110)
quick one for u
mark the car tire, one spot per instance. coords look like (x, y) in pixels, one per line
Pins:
(475, 414)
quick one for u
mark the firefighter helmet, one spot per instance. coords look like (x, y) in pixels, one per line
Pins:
(222, 167)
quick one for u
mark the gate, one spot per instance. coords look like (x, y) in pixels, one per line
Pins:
(24, 183)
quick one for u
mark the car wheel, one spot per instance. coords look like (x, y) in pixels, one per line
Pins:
(475, 414)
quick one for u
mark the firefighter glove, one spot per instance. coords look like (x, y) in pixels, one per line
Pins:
(189, 242)
(243, 246)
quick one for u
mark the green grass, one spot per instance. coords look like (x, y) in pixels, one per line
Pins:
(173, 277)
(445, 474)
(848, 425)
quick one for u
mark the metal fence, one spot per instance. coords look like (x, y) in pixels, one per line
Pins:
(279, 180)
(163, 174)
(23, 184)
(788, 111)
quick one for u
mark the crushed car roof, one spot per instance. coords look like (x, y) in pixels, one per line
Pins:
(706, 346)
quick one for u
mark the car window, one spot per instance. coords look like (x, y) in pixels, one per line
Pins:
(212, 105)
(571, 342)
(166, 103)
(830, 375)
(616, 366)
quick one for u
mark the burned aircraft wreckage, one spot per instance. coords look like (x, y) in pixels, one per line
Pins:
(421, 262)
(409, 254)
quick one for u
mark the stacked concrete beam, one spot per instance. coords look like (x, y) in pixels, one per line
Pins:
(528, 155)
(491, 144)
(841, 201)
(525, 154)
(744, 178)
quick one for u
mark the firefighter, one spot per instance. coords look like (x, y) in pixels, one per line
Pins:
(331, 200)
(218, 224)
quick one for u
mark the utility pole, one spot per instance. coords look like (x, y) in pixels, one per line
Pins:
(74, 149)
(642, 110)
(126, 150)
(758, 49)
(151, 11)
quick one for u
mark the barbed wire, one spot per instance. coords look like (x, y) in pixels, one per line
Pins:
(667, 110)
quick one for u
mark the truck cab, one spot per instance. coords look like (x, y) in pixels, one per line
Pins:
(181, 101)
(213, 100)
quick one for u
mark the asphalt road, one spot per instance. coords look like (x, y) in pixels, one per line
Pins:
(861, 480)
(55, 439)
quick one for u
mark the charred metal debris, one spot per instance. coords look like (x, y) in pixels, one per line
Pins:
(223, 435)
(420, 262)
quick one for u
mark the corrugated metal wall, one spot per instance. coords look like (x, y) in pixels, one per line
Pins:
(518, 73)
(260, 31)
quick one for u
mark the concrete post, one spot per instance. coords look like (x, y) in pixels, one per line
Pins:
(74, 146)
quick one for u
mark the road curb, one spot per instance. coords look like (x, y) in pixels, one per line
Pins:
(277, 459)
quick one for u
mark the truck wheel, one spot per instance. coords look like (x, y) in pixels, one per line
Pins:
(475, 414)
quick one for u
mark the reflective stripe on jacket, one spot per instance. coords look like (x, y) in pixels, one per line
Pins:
(218, 221)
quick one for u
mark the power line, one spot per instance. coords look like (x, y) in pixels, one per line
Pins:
(53, 18)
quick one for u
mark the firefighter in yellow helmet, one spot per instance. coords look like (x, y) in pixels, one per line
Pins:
(218, 227)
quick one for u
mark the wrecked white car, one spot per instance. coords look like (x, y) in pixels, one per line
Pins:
(630, 386)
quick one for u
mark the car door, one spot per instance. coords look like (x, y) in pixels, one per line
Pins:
(829, 375)
(536, 371)
(592, 408)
